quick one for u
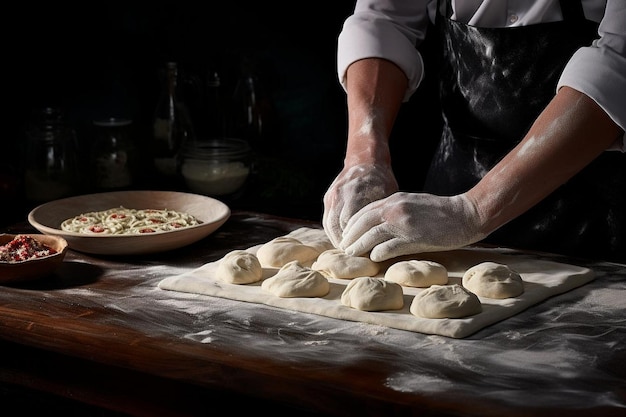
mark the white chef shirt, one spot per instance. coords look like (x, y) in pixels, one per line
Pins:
(391, 29)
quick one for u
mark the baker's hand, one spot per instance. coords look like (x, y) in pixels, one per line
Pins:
(354, 187)
(409, 223)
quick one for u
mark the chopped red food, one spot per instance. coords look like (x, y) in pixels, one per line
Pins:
(23, 248)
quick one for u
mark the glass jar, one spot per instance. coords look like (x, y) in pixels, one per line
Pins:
(51, 159)
(217, 167)
(113, 154)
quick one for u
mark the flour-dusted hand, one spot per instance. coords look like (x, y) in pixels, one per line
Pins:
(409, 223)
(355, 187)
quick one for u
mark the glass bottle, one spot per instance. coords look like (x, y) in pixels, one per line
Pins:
(172, 125)
(50, 158)
(249, 110)
(113, 157)
(215, 118)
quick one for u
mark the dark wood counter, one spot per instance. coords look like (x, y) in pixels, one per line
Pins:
(101, 333)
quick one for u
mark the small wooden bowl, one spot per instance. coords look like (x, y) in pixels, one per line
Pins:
(33, 268)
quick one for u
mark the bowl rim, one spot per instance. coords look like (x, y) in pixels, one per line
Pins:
(212, 212)
(223, 215)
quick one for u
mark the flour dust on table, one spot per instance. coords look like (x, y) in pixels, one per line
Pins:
(287, 286)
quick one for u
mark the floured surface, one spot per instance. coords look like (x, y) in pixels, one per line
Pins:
(542, 279)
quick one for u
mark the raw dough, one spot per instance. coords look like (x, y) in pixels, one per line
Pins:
(373, 294)
(295, 280)
(316, 238)
(445, 301)
(417, 273)
(239, 267)
(278, 252)
(493, 280)
(335, 263)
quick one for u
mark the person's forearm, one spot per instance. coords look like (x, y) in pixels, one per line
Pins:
(375, 89)
(570, 133)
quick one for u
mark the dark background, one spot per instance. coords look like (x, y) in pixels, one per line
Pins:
(102, 59)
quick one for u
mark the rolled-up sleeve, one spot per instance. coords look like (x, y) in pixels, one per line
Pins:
(388, 30)
(599, 71)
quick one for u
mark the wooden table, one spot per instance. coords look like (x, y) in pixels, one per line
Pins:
(100, 332)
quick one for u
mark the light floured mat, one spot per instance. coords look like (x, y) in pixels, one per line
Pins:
(542, 279)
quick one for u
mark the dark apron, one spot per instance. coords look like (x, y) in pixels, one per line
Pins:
(494, 84)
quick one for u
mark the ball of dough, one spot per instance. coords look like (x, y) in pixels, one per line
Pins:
(493, 280)
(445, 301)
(373, 294)
(417, 273)
(280, 251)
(335, 263)
(316, 238)
(239, 267)
(295, 280)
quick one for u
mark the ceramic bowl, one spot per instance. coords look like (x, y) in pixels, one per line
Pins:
(212, 213)
(36, 267)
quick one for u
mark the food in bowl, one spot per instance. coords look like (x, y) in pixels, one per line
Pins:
(29, 256)
(129, 221)
(23, 248)
(211, 214)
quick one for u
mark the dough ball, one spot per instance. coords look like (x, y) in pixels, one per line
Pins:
(373, 294)
(445, 301)
(316, 238)
(280, 251)
(335, 263)
(295, 280)
(493, 280)
(417, 273)
(239, 267)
